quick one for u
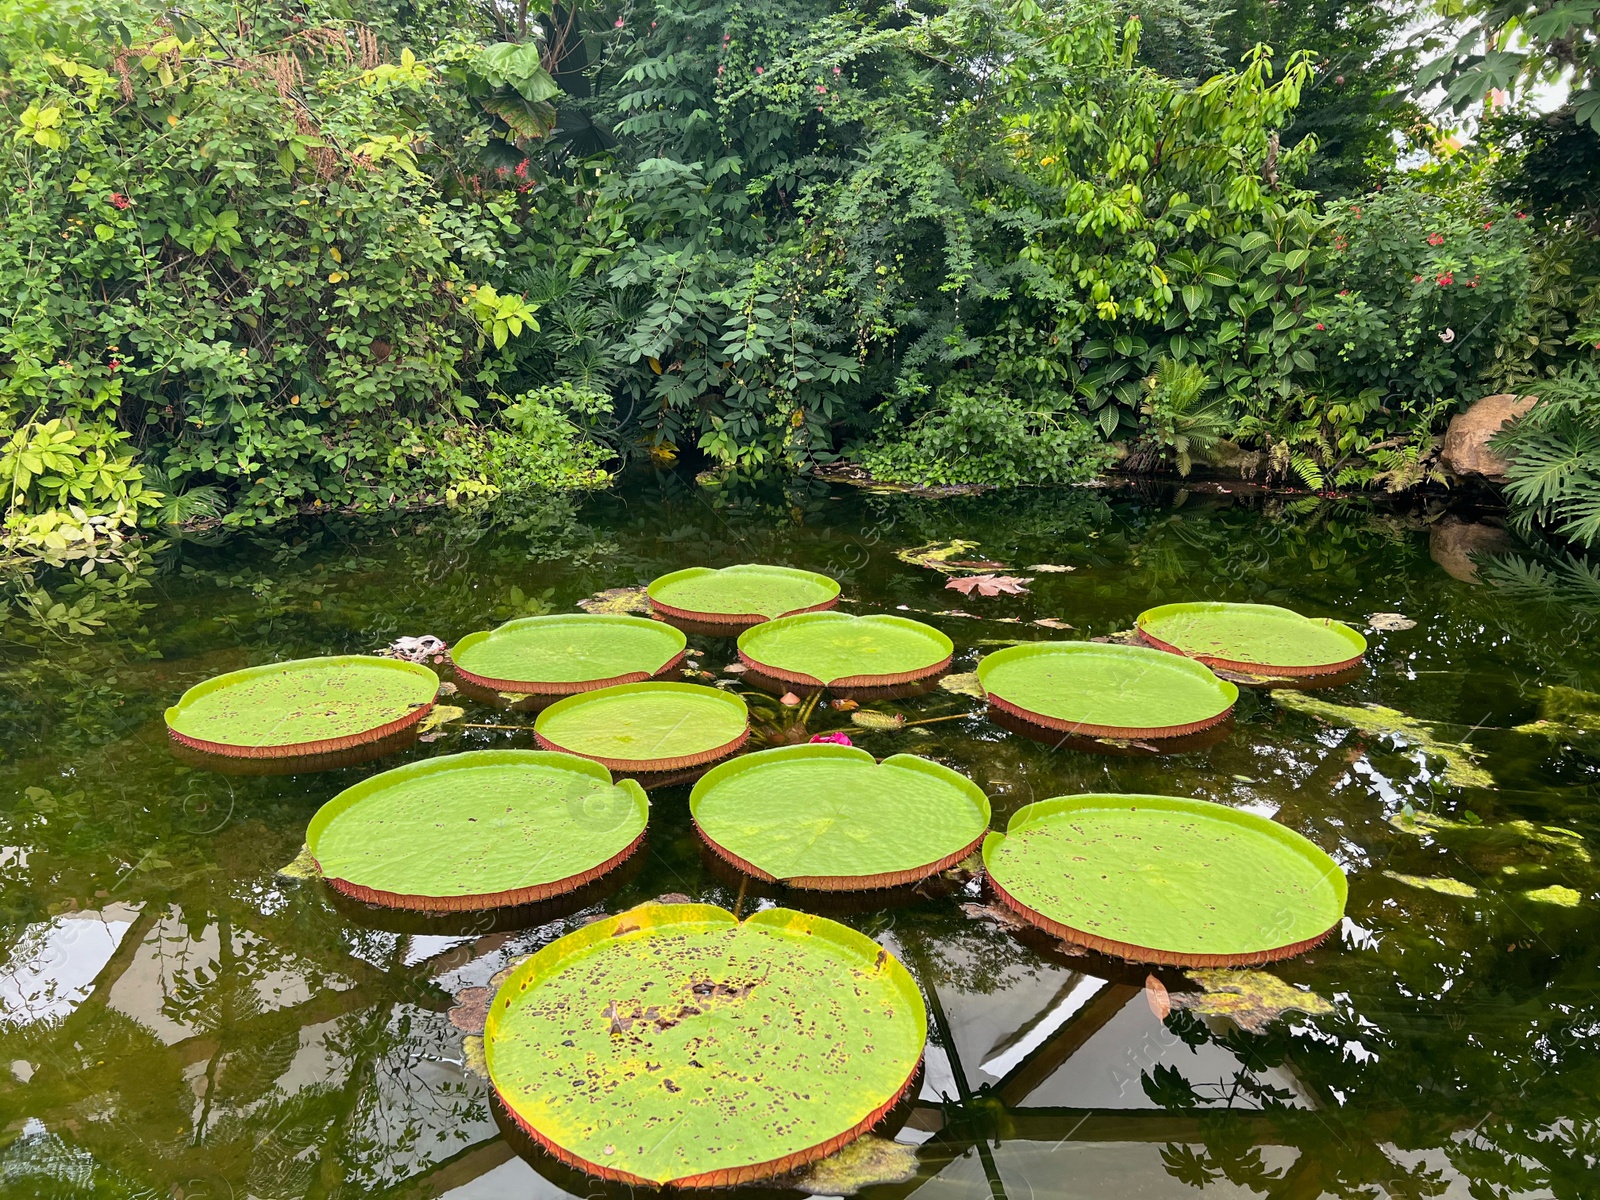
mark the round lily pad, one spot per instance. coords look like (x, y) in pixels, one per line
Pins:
(477, 830)
(829, 817)
(836, 649)
(1101, 689)
(1260, 639)
(673, 1044)
(646, 726)
(568, 652)
(737, 597)
(304, 706)
(1166, 880)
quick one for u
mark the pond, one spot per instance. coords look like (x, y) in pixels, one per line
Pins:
(177, 1019)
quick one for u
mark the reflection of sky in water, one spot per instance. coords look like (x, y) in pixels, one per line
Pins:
(52, 966)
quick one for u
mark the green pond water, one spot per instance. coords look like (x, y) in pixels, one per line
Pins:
(178, 1020)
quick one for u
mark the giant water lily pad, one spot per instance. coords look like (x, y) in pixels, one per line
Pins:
(673, 1044)
(1105, 690)
(567, 653)
(829, 817)
(646, 726)
(477, 830)
(1166, 880)
(302, 707)
(1259, 639)
(740, 596)
(837, 649)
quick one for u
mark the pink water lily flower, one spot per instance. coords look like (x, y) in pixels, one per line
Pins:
(833, 739)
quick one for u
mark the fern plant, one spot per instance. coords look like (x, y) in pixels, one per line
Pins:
(1553, 452)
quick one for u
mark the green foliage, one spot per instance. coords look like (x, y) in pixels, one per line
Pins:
(985, 436)
(1176, 419)
(1554, 457)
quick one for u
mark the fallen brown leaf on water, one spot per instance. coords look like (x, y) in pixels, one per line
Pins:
(990, 585)
(1155, 995)
(1051, 623)
(735, 669)
(472, 1009)
(845, 705)
(1250, 999)
(964, 685)
(1002, 917)
(1390, 621)
(617, 600)
(867, 1162)
(1049, 568)
(473, 1061)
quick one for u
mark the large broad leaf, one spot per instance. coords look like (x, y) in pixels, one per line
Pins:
(476, 830)
(527, 118)
(1166, 879)
(673, 1044)
(304, 706)
(836, 648)
(746, 593)
(1105, 690)
(1259, 638)
(828, 816)
(646, 726)
(568, 652)
(518, 67)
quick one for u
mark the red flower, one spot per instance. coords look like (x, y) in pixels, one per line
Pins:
(620, 23)
(1488, 224)
(118, 200)
(1522, 216)
(1435, 239)
(1446, 279)
(114, 363)
(522, 169)
(761, 70)
(1416, 279)
(821, 91)
(1344, 292)
(836, 70)
(1320, 325)
(502, 171)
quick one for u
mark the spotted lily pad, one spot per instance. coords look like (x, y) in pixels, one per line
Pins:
(837, 649)
(740, 596)
(827, 816)
(568, 653)
(1165, 879)
(1257, 639)
(647, 726)
(1105, 690)
(477, 830)
(305, 706)
(673, 1044)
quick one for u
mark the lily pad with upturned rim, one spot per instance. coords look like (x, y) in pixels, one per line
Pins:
(831, 818)
(830, 649)
(304, 706)
(477, 830)
(1105, 690)
(646, 726)
(567, 653)
(1164, 879)
(673, 1044)
(740, 596)
(1259, 639)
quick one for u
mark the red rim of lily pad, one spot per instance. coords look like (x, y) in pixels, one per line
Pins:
(544, 965)
(1246, 666)
(315, 746)
(1111, 731)
(508, 760)
(560, 687)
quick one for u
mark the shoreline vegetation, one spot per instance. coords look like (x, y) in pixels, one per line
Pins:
(355, 258)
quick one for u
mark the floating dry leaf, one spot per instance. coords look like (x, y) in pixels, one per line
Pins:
(303, 867)
(1461, 767)
(441, 714)
(1432, 883)
(1002, 917)
(471, 1009)
(448, 689)
(990, 585)
(1250, 999)
(866, 1162)
(1155, 995)
(1390, 621)
(964, 685)
(936, 555)
(473, 1061)
(735, 669)
(1049, 568)
(617, 600)
(1051, 623)
(844, 705)
(868, 719)
(1555, 894)
(424, 649)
